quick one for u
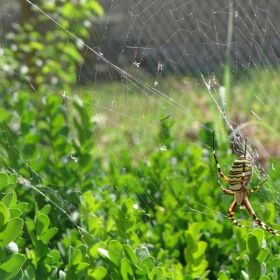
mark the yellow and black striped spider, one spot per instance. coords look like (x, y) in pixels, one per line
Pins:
(240, 176)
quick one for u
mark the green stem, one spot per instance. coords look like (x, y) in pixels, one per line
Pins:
(226, 90)
(228, 53)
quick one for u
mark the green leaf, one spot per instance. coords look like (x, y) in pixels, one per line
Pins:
(45, 210)
(42, 224)
(72, 52)
(30, 226)
(93, 250)
(3, 255)
(263, 253)
(254, 269)
(57, 122)
(41, 249)
(27, 117)
(156, 274)
(36, 46)
(10, 231)
(99, 273)
(44, 268)
(3, 180)
(146, 270)
(222, 275)
(10, 199)
(9, 187)
(85, 162)
(11, 266)
(194, 230)
(115, 251)
(15, 213)
(198, 270)
(13, 179)
(149, 262)
(264, 278)
(5, 115)
(97, 8)
(83, 249)
(71, 275)
(21, 206)
(104, 256)
(201, 247)
(55, 255)
(252, 243)
(4, 215)
(274, 264)
(76, 258)
(190, 240)
(81, 266)
(68, 9)
(130, 254)
(49, 234)
(188, 278)
(32, 139)
(259, 233)
(126, 270)
(90, 202)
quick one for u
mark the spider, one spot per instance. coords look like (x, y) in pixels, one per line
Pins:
(240, 176)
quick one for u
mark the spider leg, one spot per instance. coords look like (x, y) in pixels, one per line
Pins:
(256, 188)
(222, 188)
(257, 220)
(231, 213)
(216, 160)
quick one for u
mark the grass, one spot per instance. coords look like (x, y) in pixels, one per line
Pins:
(128, 115)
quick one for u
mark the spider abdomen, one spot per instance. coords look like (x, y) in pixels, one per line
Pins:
(240, 174)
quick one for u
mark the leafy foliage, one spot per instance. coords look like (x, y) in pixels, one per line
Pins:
(82, 215)
(166, 241)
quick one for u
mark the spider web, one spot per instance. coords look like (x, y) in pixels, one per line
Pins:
(155, 66)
